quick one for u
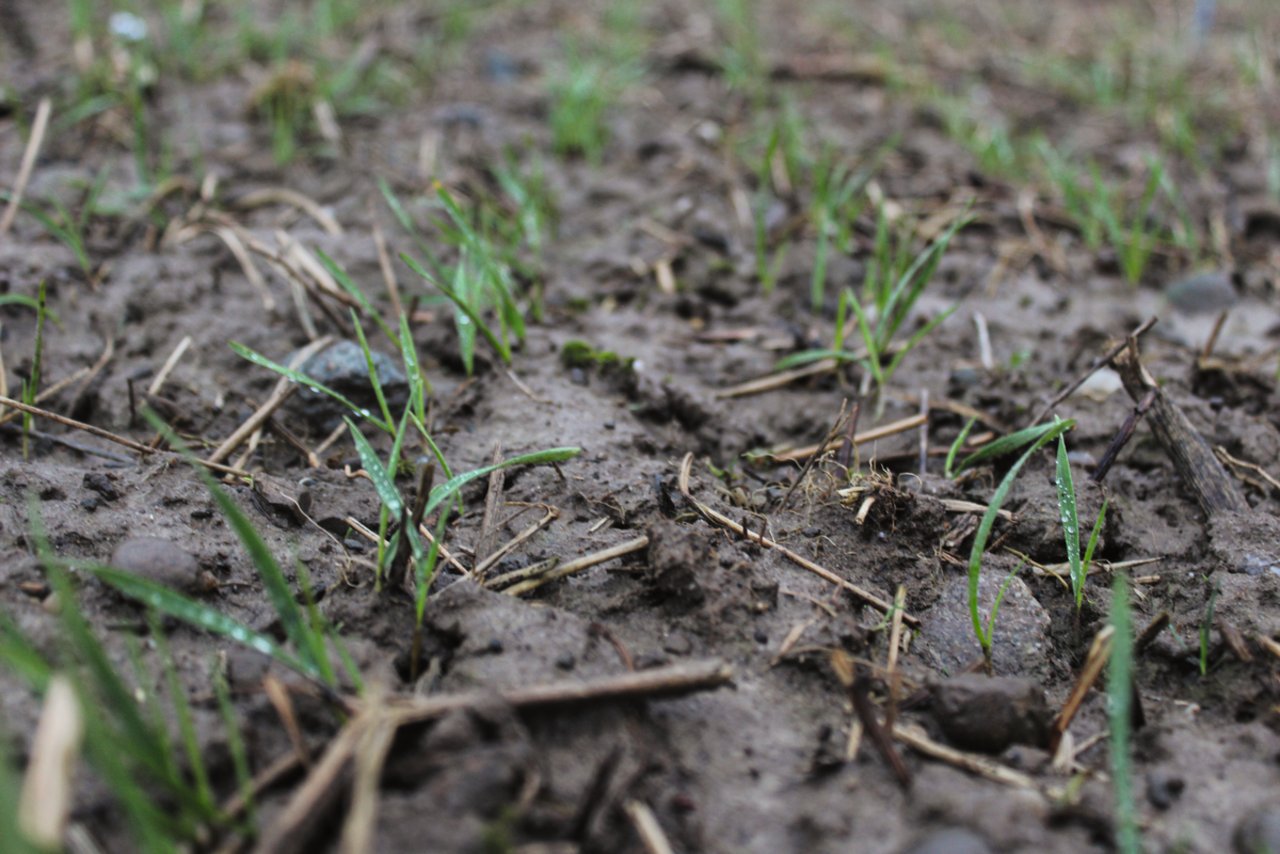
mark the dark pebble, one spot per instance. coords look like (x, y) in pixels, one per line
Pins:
(1164, 788)
(953, 840)
(761, 636)
(100, 483)
(566, 661)
(159, 561)
(342, 367)
(988, 713)
(1258, 831)
(1203, 293)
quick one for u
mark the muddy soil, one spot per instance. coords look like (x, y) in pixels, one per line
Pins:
(763, 765)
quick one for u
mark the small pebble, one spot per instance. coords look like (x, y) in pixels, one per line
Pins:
(1164, 788)
(1203, 293)
(566, 661)
(678, 643)
(100, 483)
(159, 561)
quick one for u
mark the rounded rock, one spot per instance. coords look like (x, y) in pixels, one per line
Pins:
(159, 561)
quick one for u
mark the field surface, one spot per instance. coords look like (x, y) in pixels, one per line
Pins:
(797, 427)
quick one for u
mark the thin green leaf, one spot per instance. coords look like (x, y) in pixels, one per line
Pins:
(955, 448)
(1070, 521)
(808, 357)
(451, 486)
(353, 290)
(372, 369)
(412, 370)
(235, 742)
(1093, 542)
(1005, 445)
(21, 656)
(382, 482)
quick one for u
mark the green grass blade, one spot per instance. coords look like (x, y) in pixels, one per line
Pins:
(1005, 445)
(1088, 551)
(382, 482)
(182, 713)
(235, 742)
(302, 379)
(1120, 688)
(808, 357)
(1070, 521)
(412, 370)
(451, 486)
(310, 648)
(1206, 628)
(1000, 594)
(374, 380)
(170, 602)
(353, 290)
(955, 448)
(916, 338)
(870, 342)
(21, 657)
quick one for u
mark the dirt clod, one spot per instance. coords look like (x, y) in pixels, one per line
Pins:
(988, 713)
(160, 561)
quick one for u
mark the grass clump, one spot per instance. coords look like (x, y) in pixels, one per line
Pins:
(1042, 435)
(894, 283)
(582, 92)
(1106, 215)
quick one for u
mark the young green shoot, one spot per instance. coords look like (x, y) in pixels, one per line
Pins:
(67, 228)
(949, 469)
(1120, 687)
(1206, 628)
(1078, 565)
(31, 385)
(984, 631)
(890, 293)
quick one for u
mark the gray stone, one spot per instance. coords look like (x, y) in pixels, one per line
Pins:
(342, 367)
(1204, 293)
(1020, 643)
(159, 561)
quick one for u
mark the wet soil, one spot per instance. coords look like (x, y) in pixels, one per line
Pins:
(760, 766)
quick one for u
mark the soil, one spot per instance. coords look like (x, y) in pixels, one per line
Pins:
(761, 765)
